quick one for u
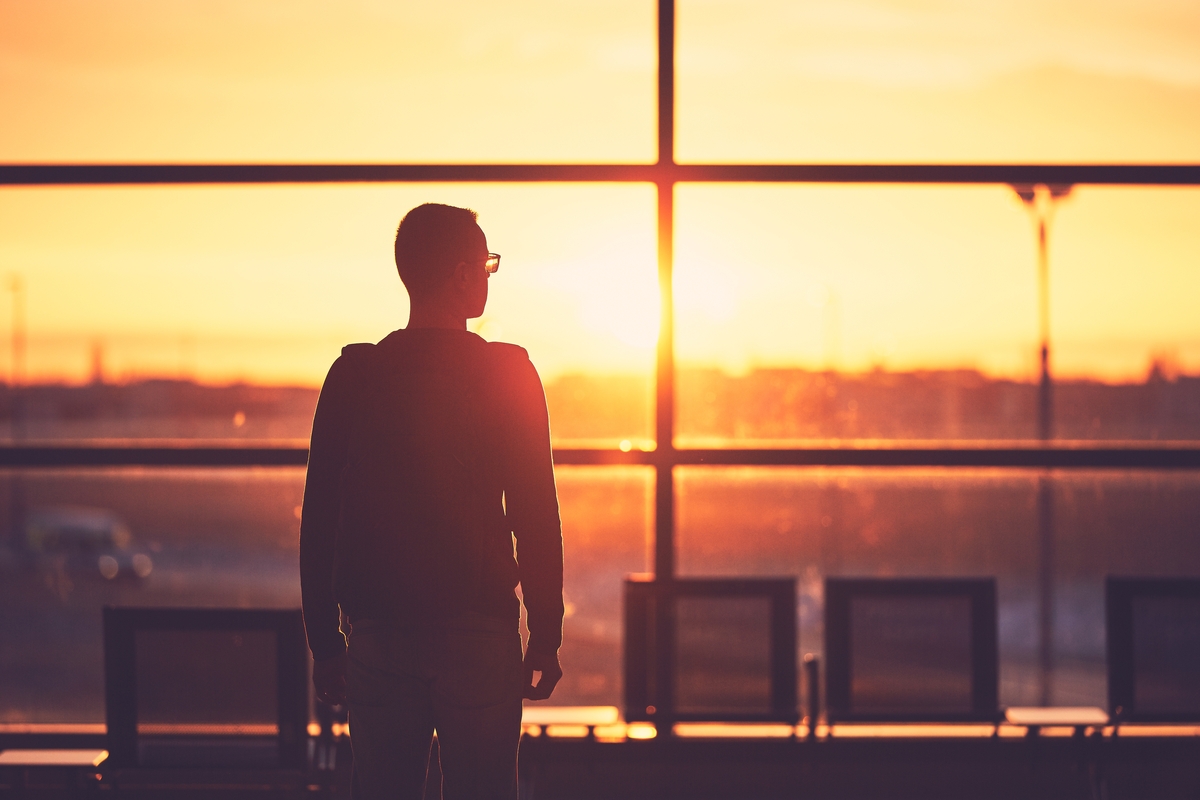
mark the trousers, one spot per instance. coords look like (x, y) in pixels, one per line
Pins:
(462, 678)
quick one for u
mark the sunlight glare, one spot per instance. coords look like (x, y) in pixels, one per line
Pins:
(707, 290)
(619, 300)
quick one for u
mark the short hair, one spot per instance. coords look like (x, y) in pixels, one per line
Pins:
(430, 238)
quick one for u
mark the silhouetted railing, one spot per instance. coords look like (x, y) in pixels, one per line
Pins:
(1068, 456)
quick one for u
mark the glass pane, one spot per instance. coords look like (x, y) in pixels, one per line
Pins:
(608, 523)
(461, 81)
(143, 292)
(876, 80)
(190, 538)
(229, 538)
(910, 312)
(814, 522)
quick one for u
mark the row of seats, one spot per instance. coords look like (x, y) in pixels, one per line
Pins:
(895, 650)
(188, 686)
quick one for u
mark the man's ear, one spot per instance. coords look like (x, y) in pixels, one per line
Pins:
(462, 275)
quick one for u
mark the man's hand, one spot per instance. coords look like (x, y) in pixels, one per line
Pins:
(329, 678)
(547, 664)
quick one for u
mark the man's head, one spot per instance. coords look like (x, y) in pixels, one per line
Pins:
(440, 255)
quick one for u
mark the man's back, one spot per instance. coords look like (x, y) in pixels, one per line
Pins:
(419, 443)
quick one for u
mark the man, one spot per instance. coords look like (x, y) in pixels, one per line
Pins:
(430, 452)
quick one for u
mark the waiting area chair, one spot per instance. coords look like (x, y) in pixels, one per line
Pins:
(1153, 649)
(733, 657)
(911, 650)
(189, 689)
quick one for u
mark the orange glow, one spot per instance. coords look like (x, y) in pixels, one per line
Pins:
(717, 730)
(567, 731)
(641, 730)
(1159, 730)
(912, 731)
(54, 758)
(570, 715)
(207, 729)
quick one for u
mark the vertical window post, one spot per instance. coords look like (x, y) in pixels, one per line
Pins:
(664, 409)
(664, 416)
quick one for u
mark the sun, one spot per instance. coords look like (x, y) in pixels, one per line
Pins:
(628, 314)
(622, 306)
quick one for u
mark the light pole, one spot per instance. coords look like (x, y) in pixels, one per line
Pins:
(1041, 201)
(16, 505)
(17, 332)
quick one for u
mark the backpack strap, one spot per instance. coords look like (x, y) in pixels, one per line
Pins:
(358, 350)
(357, 360)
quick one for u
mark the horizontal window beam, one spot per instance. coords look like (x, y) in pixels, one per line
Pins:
(110, 174)
(1081, 457)
(1021, 457)
(1129, 174)
(130, 174)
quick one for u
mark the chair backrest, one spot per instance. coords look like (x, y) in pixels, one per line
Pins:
(911, 649)
(1153, 644)
(188, 687)
(731, 653)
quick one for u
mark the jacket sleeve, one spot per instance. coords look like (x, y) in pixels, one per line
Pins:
(319, 517)
(531, 504)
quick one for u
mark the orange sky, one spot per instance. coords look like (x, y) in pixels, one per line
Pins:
(265, 283)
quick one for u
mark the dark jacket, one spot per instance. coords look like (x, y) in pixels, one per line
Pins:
(429, 452)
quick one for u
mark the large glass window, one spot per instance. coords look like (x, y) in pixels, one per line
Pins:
(902, 312)
(804, 314)
(464, 81)
(265, 284)
(1032, 81)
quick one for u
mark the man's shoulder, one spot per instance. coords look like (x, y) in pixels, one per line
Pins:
(355, 358)
(511, 363)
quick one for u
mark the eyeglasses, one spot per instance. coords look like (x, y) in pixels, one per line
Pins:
(492, 264)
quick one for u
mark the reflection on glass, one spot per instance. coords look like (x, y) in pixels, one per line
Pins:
(722, 655)
(1166, 655)
(910, 654)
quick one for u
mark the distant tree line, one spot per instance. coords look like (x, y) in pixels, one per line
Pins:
(712, 405)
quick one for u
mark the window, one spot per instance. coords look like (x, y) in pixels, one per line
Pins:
(238, 267)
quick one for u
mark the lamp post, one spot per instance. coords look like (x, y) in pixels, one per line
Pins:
(1041, 205)
(16, 287)
(16, 379)
(1041, 202)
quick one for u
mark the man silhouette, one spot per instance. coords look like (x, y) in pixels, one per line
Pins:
(430, 452)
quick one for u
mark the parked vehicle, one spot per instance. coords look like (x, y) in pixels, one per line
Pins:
(82, 540)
